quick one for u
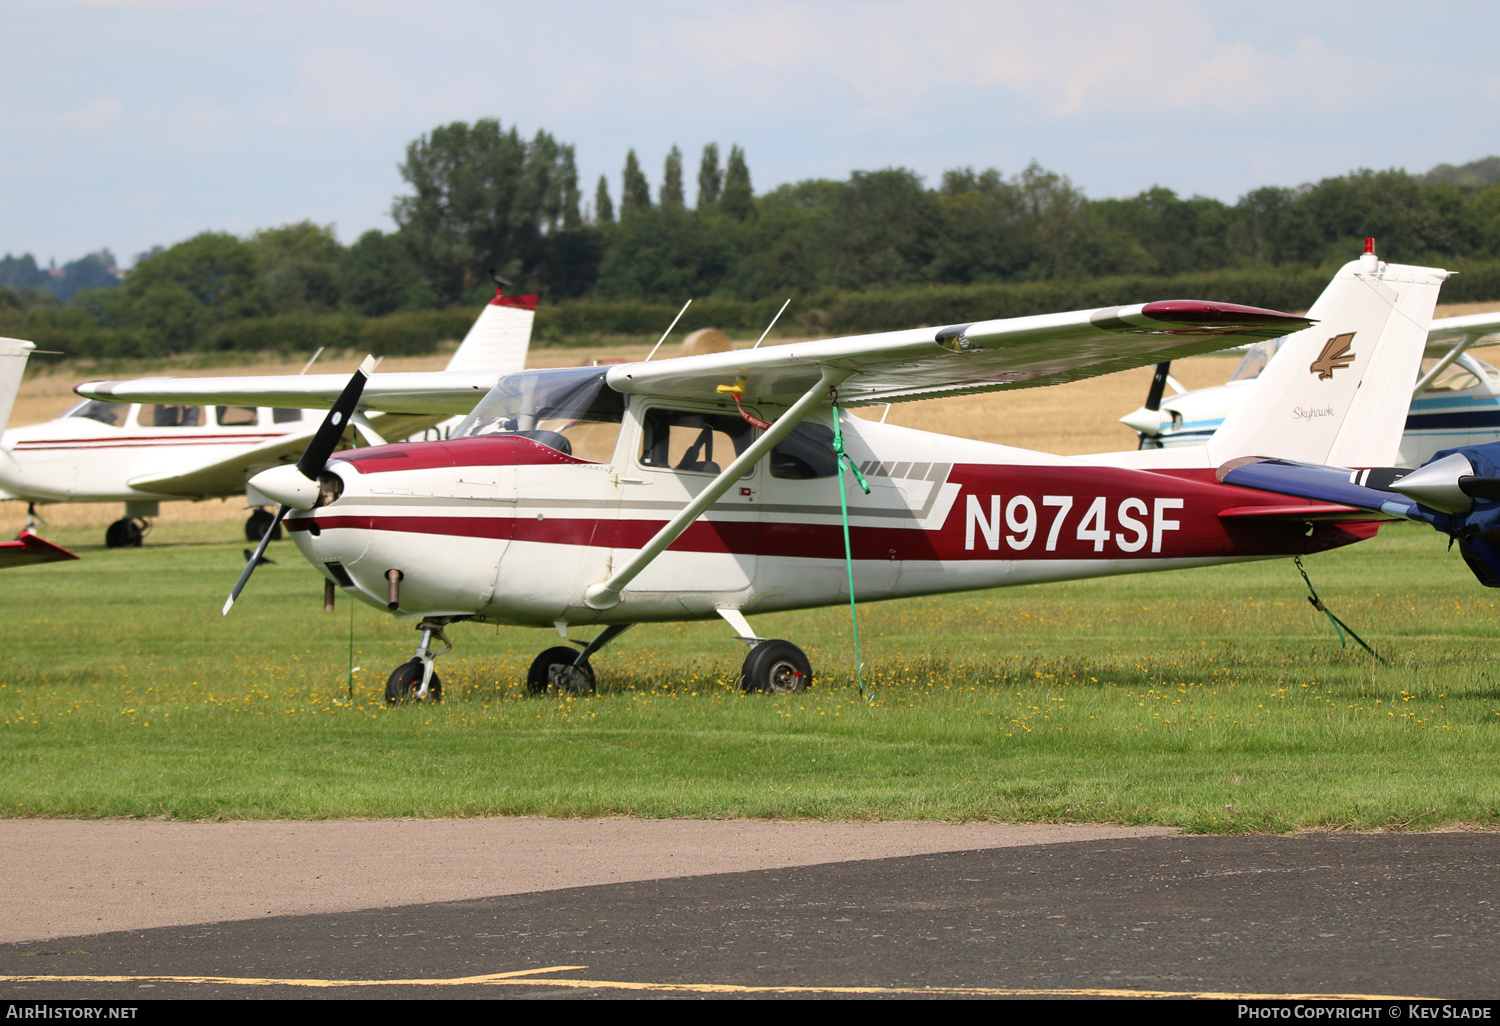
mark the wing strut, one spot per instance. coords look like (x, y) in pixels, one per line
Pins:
(606, 594)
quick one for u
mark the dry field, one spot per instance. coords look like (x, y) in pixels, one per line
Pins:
(1068, 419)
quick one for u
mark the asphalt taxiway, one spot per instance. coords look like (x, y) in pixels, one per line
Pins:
(1377, 916)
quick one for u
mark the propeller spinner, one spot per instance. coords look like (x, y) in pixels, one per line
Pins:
(295, 486)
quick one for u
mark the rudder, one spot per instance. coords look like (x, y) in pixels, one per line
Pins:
(1338, 393)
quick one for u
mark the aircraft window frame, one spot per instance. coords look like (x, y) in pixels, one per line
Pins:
(187, 417)
(789, 458)
(220, 411)
(1456, 378)
(1257, 355)
(740, 440)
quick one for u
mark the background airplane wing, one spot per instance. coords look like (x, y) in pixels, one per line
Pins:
(437, 393)
(28, 549)
(921, 363)
(1451, 329)
(229, 475)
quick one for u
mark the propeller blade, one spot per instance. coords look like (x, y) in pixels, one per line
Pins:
(1158, 386)
(315, 456)
(254, 560)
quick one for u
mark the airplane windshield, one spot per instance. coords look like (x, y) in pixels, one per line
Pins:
(98, 409)
(1256, 358)
(571, 410)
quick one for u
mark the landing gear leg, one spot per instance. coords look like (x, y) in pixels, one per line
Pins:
(561, 669)
(34, 519)
(415, 680)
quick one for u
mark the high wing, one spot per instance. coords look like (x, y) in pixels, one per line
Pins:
(1447, 330)
(443, 393)
(919, 363)
(959, 359)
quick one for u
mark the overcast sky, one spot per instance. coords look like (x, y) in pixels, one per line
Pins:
(127, 124)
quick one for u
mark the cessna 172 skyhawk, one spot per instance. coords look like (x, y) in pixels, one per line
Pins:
(142, 454)
(705, 486)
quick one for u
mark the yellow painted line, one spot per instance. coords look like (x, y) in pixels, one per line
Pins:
(520, 979)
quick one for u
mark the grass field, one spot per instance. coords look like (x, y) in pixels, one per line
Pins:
(1214, 699)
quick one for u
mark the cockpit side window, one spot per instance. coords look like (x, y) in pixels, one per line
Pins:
(571, 410)
(97, 409)
(169, 415)
(237, 416)
(1255, 360)
(805, 453)
(705, 443)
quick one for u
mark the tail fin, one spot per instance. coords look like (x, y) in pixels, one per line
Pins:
(13, 355)
(1338, 393)
(499, 338)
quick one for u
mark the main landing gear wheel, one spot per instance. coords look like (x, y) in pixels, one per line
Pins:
(126, 533)
(776, 666)
(255, 527)
(554, 670)
(406, 681)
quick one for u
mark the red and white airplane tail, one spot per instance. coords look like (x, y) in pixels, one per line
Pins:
(499, 338)
(13, 355)
(1337, 393)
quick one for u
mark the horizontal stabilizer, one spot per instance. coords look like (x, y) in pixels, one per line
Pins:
(1321, 484)
(29, 549)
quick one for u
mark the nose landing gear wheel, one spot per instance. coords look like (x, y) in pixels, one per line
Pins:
(776, 666)
(406, 681)
(554, 670)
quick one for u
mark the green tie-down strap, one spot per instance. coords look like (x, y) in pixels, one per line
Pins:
(1339, 626)
(843, 459)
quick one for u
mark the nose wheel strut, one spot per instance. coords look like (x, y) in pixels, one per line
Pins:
(415, 680)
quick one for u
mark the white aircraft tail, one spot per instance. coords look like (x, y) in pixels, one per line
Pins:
(13, 355)
(499, 338)
(1337, 393)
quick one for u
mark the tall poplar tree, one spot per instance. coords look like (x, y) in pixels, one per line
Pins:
(738, 201)
(604, 207)
(671, 180)
(710, 177)
(635, 192)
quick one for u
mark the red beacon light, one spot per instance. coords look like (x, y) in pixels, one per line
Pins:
(1368, 261)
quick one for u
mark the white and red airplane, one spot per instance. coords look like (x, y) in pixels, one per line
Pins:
(707, 486)
(143, 454)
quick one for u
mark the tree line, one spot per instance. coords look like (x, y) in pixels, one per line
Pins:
(483, 200)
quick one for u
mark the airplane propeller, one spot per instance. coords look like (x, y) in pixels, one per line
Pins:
(296, 486)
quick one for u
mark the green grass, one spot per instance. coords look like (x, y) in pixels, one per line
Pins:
(1214, 700)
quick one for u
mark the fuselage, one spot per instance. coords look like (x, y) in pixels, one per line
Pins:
(102, 452)
(504, 528)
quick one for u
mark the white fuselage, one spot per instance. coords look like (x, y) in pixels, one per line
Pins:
(508, 530)
(77, 458)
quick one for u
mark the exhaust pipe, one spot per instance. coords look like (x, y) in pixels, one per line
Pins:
(329, 591)
(393, 596)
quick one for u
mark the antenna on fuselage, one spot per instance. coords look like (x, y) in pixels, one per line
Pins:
(669, 330)
(773, 323)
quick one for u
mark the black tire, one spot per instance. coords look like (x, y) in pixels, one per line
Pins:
(554, 670)
(778, 667)
(124, 534)
(255, 527)
(403, 683)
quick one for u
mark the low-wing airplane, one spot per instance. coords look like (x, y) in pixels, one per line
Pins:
(710, 485)
(1454, 402)
(142, 454)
